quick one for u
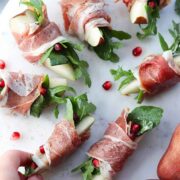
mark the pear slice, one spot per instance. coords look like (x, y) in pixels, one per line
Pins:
(93, 36)
(138, 14)
(57, 82)
(169, 165)
(64, 70)
(85, 124)
(131, 88)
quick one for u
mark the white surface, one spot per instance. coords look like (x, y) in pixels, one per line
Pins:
(142, 165)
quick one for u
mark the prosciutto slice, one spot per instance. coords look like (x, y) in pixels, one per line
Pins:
(63, 142)
(20, 91)
(116, 146)
(33, 39)
(78, 13)
(156, 73)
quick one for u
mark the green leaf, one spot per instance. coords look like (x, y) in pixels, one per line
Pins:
(106, 50)
(177, 7)
(56, 112)
(28, 171)
(78, 47)
(148, 117)
(46, 55)
(87, 169)
(37, 6)
(151, 28)
(38, 106)
(140, 97)
(163, 43)
(127, 76)
(45, 83)
(57, 59)
(81, 106)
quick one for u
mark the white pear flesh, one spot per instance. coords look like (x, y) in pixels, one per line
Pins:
(85, 124)
(23, 23)
(100, 177)
(64, 70)
(54, 82)
(132, 87)
(177, 61)
(93, 36)
(138, 14)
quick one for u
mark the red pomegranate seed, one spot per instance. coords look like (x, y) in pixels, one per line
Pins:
(2, 64)
(107, 85)
(15, 135)
(95, 163)
(137, 51)
(101, 41)
(58, 47)
(2, 83)
(135, 128)
(43, 91)
(152, 4)
(41, 149)
(33, 165)
(132, 137)
(126, 2)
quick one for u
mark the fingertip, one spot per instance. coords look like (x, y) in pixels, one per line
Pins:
(36, 177)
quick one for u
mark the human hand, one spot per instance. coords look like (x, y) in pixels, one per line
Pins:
(11, 161)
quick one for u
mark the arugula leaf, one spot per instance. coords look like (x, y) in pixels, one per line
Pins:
(46, 55)
(106, 50)
(80, 106)
(140, 96)
(177, 7)
(163, 43)
(56, 112)
(28, 171)
(87, 169)
(1, 89)
(45, 83)
(126, 75)
(175, 33)
(151, 28)
(37, 6)
(38, 106)
(147, 117)
(57, 59)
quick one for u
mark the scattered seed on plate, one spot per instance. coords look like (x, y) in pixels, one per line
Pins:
(15, 135)
(107, 85)
(137, 51)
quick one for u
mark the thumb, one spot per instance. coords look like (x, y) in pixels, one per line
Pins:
(35, 177)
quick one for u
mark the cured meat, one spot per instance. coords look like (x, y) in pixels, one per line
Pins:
(169, 165)
(155, 73)
(78, 13)
(22, 91)
(34, 39)
(116, 146)
(63, 141)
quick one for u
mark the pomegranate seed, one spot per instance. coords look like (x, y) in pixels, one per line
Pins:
(137, 51)
(2, 64)
(101, 41)
(15, 136)
(132, 137)
(58, 47)
(95, 163)
(152, 4)
(135, 128)
(43, 91)
(41, 149)
(2, 83)
(107, 85)
(75, 117)
(126, 2)
(33, 165)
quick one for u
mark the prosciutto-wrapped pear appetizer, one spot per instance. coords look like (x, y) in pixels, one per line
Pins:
(67, 136)
(23, 93)
(169, 165)
(120, 140)
(155, 72)
(89, 22)
(145, 12)
(41, 41)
